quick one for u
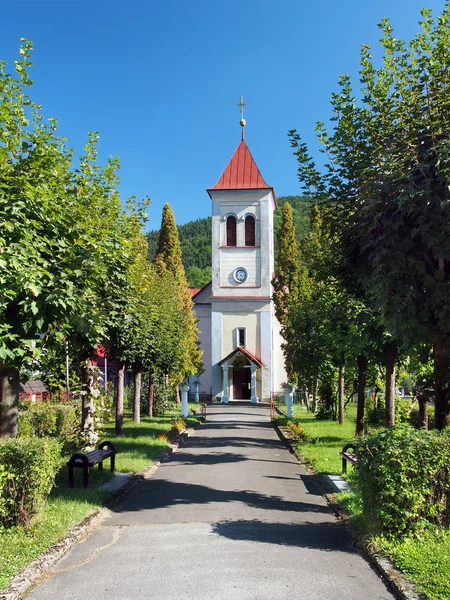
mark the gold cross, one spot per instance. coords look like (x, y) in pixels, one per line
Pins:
(241, 105)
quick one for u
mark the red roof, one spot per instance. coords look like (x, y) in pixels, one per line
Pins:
(243, 350)
(241, 173)
(194, 291)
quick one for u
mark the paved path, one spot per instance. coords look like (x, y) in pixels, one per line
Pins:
(230, 516)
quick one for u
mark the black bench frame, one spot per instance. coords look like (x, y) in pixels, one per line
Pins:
(85, 461)
(348, 456)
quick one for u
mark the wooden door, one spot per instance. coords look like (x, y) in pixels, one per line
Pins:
(241, 384)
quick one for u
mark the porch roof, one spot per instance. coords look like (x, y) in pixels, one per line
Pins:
(242, 350)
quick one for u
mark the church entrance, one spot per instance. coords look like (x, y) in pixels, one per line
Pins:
(242, 388)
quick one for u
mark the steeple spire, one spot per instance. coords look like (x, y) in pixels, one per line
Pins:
(242, 122)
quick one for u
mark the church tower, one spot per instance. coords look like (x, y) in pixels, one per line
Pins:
(246, 356)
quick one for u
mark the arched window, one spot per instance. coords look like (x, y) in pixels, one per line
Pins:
(231, 231)
(249, 231)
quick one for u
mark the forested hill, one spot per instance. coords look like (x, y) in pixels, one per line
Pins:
(195, 239)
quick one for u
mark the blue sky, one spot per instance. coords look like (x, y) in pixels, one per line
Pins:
(160, 81)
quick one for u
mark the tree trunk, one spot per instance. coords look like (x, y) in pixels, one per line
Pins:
(307, 399)
(87, 407)
(341, 399)
(423, 411)
(151, 394)
(314, 402)
(441, 361)
(177, 395)
(119, 398)
(362, 366)
(390, 354)
(9, 401)
(137, 394)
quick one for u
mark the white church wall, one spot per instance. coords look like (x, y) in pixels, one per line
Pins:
(231, 323)
(216, 351)
(250, 259)
(266, 354)
(203, 314)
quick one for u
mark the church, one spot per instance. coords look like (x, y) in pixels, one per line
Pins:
(239, 333)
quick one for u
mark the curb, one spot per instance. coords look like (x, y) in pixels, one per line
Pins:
(37, 569)
(395, 580)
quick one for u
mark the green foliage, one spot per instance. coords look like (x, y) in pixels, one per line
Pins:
(404, 478)
(65, 241)
(168, 259)
(198, 278)
(27, 473)
(52, 368)
(301, 206)
(424, 558)
(286, 280)
(61, 421)
(163, 398)
(386, 185)
(195, 239)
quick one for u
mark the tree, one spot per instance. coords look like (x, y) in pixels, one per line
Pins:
(36, 287)
(168, 257)
(286, 280)
(387, 181)
(63, 253)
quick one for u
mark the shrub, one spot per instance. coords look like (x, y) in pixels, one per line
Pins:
(162, 399)
(324, 414)
(178, 426)
(404, 478)
(402, 410)
(60, 421)
(27, 473)
(375, 409)
(298, 432)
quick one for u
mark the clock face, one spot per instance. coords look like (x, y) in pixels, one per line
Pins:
(240, 275)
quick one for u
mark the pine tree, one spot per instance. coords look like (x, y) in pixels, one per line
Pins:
(286, 281)
(169, 257)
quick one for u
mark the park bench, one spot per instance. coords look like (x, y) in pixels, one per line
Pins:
(90, 459)
(348, 456)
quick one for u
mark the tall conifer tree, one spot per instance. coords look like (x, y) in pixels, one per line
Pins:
(286, 281)
(168, 257)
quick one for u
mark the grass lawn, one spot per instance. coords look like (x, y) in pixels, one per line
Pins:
(424, 558)
(65, 507)
(328, 438)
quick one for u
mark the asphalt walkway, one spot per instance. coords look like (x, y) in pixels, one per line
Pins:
(230, 516)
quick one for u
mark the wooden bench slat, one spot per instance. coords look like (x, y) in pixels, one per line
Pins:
(85, 461)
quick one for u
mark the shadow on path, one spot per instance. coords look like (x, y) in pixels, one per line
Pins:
(322, 536)
(161, 493)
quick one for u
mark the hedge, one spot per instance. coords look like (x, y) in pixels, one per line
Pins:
(27, 474)
(61, 421)
(404, 478)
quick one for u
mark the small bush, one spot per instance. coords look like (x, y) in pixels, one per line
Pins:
(298, 432)
(404, 478)
(402, 410)
(324, 414)
(178, 426)
(27, 473)
(60, 421)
